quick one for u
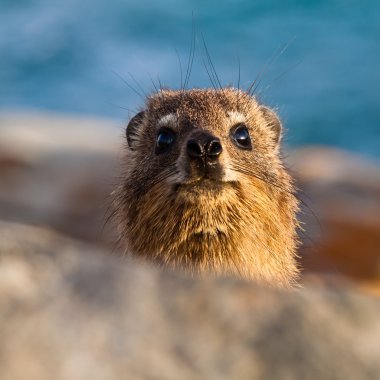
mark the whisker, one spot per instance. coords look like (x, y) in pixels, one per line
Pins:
(109, 214)
(239, 72)
(208, 73)
(164, 175)
(211, 64)
(129, 85)
(158, 89)
(160, 83)
(121, 107)
(249, 172)
(138, 84)
(154, 85)
(284, 73)
(180, 67)
(238, 86)
(277, 53)
(269, 181)
(191, 55)
(310, 210)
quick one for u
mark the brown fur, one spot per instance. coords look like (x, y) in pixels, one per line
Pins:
(242, 226)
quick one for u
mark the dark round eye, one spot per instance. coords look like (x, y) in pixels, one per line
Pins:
(240, 136)
(165, 139)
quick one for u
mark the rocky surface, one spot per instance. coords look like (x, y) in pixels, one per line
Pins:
(59, 171)
(342, 217)
(69, 310)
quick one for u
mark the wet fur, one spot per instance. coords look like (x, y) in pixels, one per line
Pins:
(245, 226)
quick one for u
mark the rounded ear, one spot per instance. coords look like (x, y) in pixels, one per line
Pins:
(132, 128)
(273, 123)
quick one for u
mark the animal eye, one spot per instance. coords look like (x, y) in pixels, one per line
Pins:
(165, 139)
(240, 136)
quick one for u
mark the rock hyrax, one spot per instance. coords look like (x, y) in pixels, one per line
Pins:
(204, 189)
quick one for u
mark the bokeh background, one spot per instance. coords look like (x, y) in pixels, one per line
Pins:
(63, 56)
(64, 102)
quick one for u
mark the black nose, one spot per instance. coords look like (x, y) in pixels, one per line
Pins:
(203, 146)
(195, 148)
(214, 148)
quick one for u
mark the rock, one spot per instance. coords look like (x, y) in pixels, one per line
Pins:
(59, 171)
(343, 233)
(69, 310)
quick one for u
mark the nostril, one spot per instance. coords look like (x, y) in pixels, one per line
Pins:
(214, 148)
(194, 148)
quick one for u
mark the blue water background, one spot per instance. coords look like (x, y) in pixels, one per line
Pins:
(68, 56)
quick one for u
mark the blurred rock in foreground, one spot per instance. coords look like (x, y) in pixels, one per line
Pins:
(70, 311)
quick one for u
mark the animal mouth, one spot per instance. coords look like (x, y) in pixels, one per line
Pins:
(203, 178)
(206, 181)
(203, 184)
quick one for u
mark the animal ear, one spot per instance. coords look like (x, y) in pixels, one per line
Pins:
(132, 128)
(273, 123)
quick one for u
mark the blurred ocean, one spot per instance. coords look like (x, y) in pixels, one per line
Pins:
(69, 56)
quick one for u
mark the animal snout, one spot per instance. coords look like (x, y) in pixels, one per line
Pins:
(204, 146)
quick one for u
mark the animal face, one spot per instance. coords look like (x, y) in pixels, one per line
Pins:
(204, 189)
(204, 138)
